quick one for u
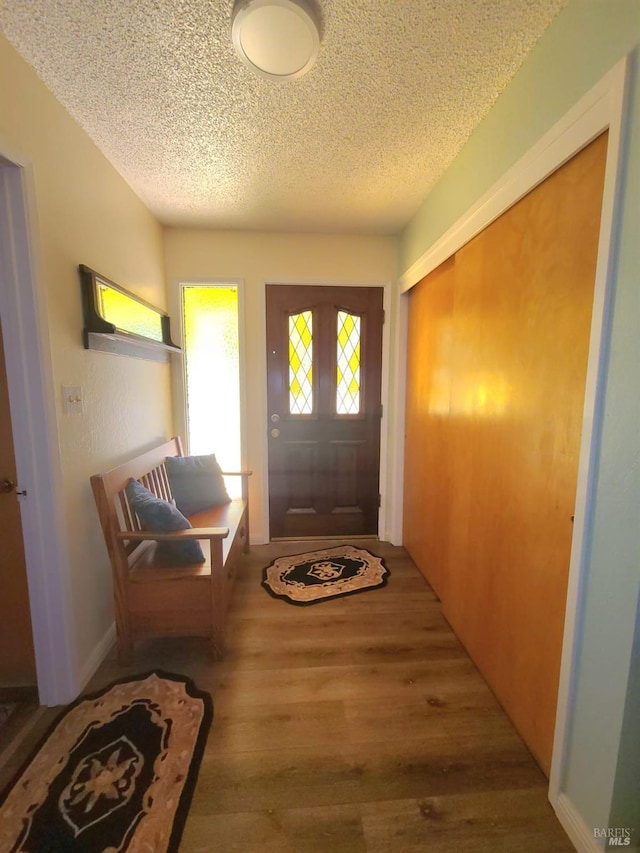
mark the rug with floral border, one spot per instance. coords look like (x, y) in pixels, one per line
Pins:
(116, 771)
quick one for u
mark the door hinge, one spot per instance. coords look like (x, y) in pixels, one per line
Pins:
(381, 411)
(384, 316)
(379, 499)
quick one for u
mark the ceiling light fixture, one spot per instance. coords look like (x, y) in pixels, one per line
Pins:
(278, 39)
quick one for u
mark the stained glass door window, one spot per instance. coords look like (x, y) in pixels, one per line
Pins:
(348, 360)
(301, 363)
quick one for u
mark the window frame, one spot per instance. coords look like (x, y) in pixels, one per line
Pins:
(180, 376)
(101, 334)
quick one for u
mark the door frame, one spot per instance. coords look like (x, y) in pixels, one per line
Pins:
(34, 424)
(385, 478)
(604, 107)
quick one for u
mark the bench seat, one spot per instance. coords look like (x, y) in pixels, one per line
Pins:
(146, 567)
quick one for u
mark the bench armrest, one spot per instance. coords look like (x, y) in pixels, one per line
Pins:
(245, 481)
(175, 535)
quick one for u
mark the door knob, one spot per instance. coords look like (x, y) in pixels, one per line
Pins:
(8, 486)
(275, 433)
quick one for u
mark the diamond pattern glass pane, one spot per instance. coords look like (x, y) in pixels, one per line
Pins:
(301, 363)
(348, 379)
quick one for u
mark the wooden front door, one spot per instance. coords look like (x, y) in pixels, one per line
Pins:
(324, 363)
(17, 660)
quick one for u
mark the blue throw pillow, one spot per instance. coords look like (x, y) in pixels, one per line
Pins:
(161, 516)
(196, 482)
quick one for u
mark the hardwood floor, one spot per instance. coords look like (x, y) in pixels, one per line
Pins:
(358, 724)
(18, 723)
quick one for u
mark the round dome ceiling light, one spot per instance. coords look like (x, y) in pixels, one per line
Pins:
(278, 39)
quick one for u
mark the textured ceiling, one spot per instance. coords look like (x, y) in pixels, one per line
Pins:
(353, 146)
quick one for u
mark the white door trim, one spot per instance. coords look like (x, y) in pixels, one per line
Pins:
(602, 108)
(616, 113)
(33, 417)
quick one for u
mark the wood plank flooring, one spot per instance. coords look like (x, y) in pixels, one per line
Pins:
(358, 724)
(17, 727)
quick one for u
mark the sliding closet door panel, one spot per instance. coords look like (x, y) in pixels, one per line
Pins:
(427, 488)
(520, 327)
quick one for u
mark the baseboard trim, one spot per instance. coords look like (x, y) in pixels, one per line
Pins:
(580, 835)
(99, 653)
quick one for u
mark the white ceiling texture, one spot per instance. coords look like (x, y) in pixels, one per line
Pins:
(353, 146)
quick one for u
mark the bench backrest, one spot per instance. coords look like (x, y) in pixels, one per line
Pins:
(111, 501)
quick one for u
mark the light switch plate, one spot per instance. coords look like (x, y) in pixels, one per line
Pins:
(72, 399)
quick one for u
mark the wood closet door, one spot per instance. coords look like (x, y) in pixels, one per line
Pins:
(498, 465)
(427, 495)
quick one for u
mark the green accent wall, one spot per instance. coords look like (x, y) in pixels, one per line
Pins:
(586, 40)
(625, 811)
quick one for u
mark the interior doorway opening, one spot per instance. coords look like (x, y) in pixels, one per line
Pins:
(30, 386)
(17, 656)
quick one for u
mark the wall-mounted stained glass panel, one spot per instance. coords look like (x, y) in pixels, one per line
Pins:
(348, 378)
(127, 314)
(301, 363)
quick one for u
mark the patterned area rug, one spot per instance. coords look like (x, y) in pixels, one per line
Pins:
(320, 575)
(115, 773)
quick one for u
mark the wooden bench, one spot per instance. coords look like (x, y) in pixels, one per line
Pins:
(154, 600)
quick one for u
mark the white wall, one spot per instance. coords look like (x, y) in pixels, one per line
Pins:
(194, 255)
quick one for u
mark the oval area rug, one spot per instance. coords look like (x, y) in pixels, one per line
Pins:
(116, 772)
(320, 575)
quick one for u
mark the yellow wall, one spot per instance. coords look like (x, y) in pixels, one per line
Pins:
(85, 213)
(256, 258)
